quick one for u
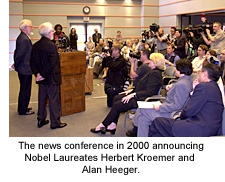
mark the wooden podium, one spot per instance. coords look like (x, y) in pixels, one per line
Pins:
(72, 88)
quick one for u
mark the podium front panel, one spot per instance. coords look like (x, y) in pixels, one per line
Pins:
(73, 68)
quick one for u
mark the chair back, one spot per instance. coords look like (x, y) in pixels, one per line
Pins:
(194, 76)
(170, 71)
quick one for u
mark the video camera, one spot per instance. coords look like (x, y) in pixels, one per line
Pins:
(196, 29)
(135, 55)
(213, 60)
(154, 27)
(62, 42)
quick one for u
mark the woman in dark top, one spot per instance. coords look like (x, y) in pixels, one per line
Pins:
(149, 85)
(73, 39)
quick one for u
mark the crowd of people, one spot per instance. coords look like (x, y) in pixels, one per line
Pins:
(133, 71)
(173, 50)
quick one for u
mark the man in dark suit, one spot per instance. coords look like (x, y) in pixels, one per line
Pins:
(22, 66)
(202, 115)
(180, 44)
(96, 36)
(46, 66)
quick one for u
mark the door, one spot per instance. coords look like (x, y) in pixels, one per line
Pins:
(84, 30)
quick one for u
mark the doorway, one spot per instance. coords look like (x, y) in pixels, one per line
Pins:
(85, 30)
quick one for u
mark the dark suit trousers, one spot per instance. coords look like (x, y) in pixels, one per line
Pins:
(52, 92)
(25, 92)
(117, 108)
(162, 127)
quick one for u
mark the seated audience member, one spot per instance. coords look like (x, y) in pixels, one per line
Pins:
(179, 44)
(175, 100)
(117, 73)
(89, 48)
(216, 42)
(95, 60)
(149, 85)
(209, 54)
(222, 60)
(90, 45)
(138, 73)
(141, 46)
(147, 46)
(60, 39)
(198, 61)
(109, 43)
(171, 57)
(119, 37)
(136, 45)
(202, 115)
(127, 49)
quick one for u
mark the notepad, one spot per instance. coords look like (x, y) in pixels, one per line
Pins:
(147, 105)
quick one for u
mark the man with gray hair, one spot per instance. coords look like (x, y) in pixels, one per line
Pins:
(46, 67)
(22, 66)
(216, 42)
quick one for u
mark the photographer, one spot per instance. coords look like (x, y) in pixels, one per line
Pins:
(117, 73)
(151, 40)
(172, 35)
(161, 41)
(180, 44)
(138, 73)
(149, 85)
(60, 38)
(216, 42)
(197, 39)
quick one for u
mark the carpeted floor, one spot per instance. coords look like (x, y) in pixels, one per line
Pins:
(79, 124)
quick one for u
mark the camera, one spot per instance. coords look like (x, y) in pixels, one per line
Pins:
(154, 27)
(196, 29)
(145, 34)
(213, 60)
(106, 49)
(62, 42)
(135, 55)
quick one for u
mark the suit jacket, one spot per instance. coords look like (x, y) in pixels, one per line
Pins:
(180, 50)
(45, 60)
(22, 54)
(94, 37)
(202, 115)
(177, 95)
